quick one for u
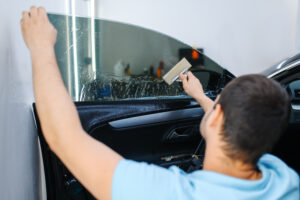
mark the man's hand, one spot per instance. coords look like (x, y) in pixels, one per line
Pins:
(37, 31)
(193, 87)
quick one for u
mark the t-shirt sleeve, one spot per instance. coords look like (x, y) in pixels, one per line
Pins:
(138, 180)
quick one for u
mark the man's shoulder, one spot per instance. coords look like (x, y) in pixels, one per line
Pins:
(270, 158)
(272, 162)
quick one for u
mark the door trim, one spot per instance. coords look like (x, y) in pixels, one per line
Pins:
(157, 118)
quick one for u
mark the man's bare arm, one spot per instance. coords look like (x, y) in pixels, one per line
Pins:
(193, 87)
(91, 162)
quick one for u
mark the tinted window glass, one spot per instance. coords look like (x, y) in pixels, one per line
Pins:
(105, 60)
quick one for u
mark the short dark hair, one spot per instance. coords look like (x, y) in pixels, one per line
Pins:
(256, 112)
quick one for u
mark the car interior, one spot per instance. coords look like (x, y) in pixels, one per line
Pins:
(287, 147)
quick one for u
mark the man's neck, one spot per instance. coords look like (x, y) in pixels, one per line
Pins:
(216, 160)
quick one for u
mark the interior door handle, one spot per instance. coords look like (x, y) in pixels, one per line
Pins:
(175, 135)
(180, 134)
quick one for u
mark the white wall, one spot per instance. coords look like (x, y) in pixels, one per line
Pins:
(246, 36)
(19, 160)
(298, 27)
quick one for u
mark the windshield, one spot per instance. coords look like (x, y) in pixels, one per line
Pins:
(106, 60)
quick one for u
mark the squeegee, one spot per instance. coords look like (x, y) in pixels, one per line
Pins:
(181, 67)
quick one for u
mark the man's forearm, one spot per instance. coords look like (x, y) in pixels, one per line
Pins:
(193, 87)
(55, 108)
(205, 102)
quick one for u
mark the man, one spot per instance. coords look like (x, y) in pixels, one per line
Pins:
(239, 128)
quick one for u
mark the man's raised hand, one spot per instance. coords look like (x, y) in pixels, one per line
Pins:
(191, 85)
(38, 32)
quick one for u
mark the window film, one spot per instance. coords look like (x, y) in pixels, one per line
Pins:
(106, 60)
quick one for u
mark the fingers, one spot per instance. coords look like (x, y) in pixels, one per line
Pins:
(25, 15)
(183, 79)
(42, 12)
(33, 11)
(190, 75)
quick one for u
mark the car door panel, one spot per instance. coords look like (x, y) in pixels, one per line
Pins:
(163, 132)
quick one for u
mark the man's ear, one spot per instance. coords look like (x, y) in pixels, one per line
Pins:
(216, 117)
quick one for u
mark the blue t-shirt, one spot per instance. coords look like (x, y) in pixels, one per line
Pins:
(140, 181)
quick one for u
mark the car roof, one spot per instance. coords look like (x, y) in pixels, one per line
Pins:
(282, 66)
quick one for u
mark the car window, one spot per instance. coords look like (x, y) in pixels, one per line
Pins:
(106, 60)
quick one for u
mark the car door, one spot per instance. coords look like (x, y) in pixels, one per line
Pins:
(121, 99)
(287, 73)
